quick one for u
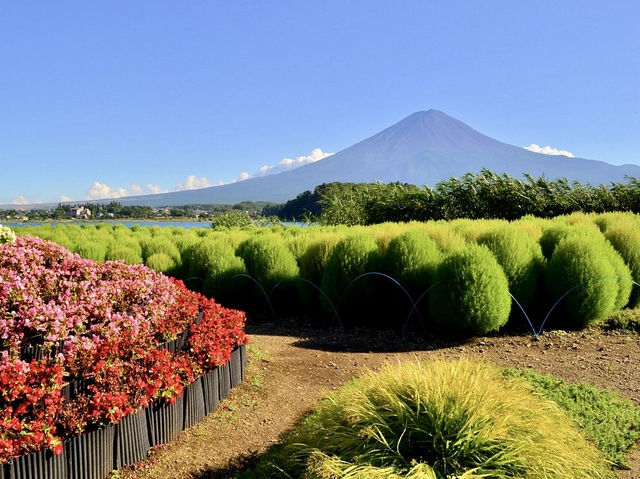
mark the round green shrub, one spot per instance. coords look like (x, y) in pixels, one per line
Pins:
(623, 276)
(471, 294)
(412, 258)
(92, 250)
(211, 258)
(582, 262)
(520, 258)
(268, 260)
(123, 252)
(431, 421)
(352, 256)
(625, 238)
(160, 244)
(161, 262)
(551, 236)
(220, 265)
(558, 230)
(314, 259)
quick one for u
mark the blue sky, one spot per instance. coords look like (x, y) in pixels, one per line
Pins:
(109, 97)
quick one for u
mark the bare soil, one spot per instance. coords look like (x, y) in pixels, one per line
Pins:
(288, 374)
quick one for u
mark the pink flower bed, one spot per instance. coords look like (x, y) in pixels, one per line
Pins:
(101, 323)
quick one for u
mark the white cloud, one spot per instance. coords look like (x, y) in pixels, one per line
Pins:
(316, 155)
(65, 198)
(286, 164)
(193, 183)
(155, 189)
(20, 200)
(98, 191)
(548, 150)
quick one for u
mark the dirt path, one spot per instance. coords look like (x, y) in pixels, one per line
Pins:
(287, 375)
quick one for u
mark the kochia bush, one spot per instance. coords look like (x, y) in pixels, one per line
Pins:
(124, 253)
(351, 257)
(471, 294)
(161, 262)
(625, 238)
(268, 260)
(520, 257)
(581, 262)
(217, 264)
(412, 259)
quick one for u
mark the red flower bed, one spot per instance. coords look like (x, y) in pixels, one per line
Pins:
(100, 324)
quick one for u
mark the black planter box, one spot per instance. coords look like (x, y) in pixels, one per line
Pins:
(211, 391)
(37, 465)
(90, 455)
(74, 388)
(243, 359)
(224, 381)
(131, 439)
(235, 368)
(194, 410)
(165, 421)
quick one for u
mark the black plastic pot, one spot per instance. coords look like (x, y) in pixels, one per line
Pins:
(235, 368)
(194, 410)
(37, 465)
(131, 439)
(165, 421)
(211, 392)
(224, 381)
(90, 455)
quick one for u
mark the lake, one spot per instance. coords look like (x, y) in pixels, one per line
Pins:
(129, 223)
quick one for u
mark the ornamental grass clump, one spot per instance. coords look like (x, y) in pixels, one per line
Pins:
(582, 263)
(520, 257)
(471, 293)
(435, 420)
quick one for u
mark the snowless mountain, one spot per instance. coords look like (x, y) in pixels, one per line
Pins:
(423, 149)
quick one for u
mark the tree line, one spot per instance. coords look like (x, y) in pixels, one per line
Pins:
(483, 195)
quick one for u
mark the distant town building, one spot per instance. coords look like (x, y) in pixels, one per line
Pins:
(80, 213)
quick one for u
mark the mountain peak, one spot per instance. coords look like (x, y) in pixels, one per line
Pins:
(431, 129)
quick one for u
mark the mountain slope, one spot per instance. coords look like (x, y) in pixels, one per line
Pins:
(423, 149)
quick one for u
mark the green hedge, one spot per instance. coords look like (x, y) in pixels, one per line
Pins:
(413, 253)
